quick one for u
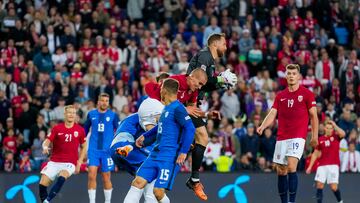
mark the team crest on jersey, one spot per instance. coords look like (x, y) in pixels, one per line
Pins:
(331, 139)
(76, 133)
(203, 67)
(108, 119)
(166, 114)
(300, 98)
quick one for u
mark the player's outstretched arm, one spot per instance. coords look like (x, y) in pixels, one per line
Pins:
(341, 133)
(150, 136)
(314, 121)
(316, 154)
(188, 128)
(269, 119)
(87, 124)
(82, 155)
(46, 146)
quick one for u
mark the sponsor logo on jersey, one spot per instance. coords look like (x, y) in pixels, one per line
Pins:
(300, 98)
(76, 133)
(187, 117)
(108, 119)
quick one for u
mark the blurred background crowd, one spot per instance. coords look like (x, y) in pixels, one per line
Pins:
(60, 52)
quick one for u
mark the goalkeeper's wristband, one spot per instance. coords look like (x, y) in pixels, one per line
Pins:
(220, 79)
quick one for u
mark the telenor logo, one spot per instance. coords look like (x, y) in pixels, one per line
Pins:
(239, 194)
(28, 195)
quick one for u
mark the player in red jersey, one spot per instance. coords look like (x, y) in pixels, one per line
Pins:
(187, 94)
(293, 106)
(329, 161)
(65, 138)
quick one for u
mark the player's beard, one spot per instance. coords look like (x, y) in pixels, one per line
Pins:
(103, 107)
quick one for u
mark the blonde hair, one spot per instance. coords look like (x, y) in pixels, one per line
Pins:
(69, 107)
(292, 66)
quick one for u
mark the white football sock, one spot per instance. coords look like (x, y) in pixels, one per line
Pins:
(149, 193)
(92, 195)
(165, 199)
(107, 194)
(134, 195)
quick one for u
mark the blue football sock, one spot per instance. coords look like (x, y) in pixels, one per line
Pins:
(42, 192)
(56, 188)
(293, 183)
(283, 188)
(319, 195)
(337, 195)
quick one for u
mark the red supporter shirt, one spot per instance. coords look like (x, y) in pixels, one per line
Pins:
(87, 53)
(326, 70)
(293, 112)
(185, 95)
(100, 50)
(329, 147)
(66, 143)
(16, 104)
(10, 143)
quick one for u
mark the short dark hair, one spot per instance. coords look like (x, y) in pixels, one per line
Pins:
(215, 37)
(199, 71)
(162, 76)
(292, 66)
(104, 95)
(171, 85)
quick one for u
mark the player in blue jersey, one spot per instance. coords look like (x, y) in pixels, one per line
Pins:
(102, 122)
(126, 134)
(174, 134)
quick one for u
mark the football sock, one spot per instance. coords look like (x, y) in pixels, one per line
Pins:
(107, 194)
(337, 195)
(56, 188)
(133, 195)
(165, 199)
(197, 157)
(283, 188)
(92, 195)
(149, 193)
(293, 183)
(319, 195)
(42, 192)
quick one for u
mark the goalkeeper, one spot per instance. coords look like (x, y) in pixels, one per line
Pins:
(216, 48)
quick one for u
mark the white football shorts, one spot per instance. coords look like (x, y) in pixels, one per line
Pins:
(291, 147)
(327, 174)
(52, 169)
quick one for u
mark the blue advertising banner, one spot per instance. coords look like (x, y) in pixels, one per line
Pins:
(221, 188)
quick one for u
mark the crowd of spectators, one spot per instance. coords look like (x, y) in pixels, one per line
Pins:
(55, 53)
